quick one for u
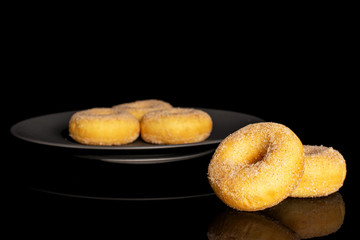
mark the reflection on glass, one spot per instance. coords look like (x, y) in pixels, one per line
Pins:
(294, 218)
(311, 217)
(233, 224)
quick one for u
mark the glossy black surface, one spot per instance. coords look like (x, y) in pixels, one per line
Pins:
(66, 191)
(56, 192)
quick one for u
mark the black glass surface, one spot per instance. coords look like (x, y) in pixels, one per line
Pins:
(59, 192)
(63, 192)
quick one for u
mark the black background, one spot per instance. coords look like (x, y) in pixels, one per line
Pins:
(303, 81)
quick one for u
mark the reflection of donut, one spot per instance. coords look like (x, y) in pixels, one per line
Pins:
(245, 225)
(257, 167)
(176, 126)
(103, 126)
(325, 171)
(139, 108)
(311, 217)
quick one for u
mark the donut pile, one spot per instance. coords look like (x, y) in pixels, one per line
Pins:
(262, 164)
(155, 121)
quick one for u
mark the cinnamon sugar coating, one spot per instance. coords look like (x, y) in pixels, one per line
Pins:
(141, 107)
(176, 126)
(257, 166)
(103, 126)
(325, 172)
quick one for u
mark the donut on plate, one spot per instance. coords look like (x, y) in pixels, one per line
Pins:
(103, 126)
(139, 108)
(325, 172)
(176, 126)
(257, 166)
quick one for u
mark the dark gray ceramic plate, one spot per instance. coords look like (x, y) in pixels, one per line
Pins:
(52, 129)
(147, 159)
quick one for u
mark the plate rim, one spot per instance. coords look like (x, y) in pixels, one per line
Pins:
(135, 199)
(150, 159)
(15, 133)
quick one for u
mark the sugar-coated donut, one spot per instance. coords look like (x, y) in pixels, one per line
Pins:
(257, 166)
(176, 126)
(104, 126)
(325, 172)
(139, 108)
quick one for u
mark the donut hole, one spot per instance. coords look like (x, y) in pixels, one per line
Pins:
(102, 111)
(248, 156)
(179, 111)
(259, 154)
(314, 150)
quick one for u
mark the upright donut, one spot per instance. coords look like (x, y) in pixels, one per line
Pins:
(325, 172)
(176, 126)
(257, 166)
(139, 108)
(103, 126)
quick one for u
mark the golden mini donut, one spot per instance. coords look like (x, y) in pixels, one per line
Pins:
(103, 126)
(139, 108)
(325, 172)
(257, 166)
(176, 126)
